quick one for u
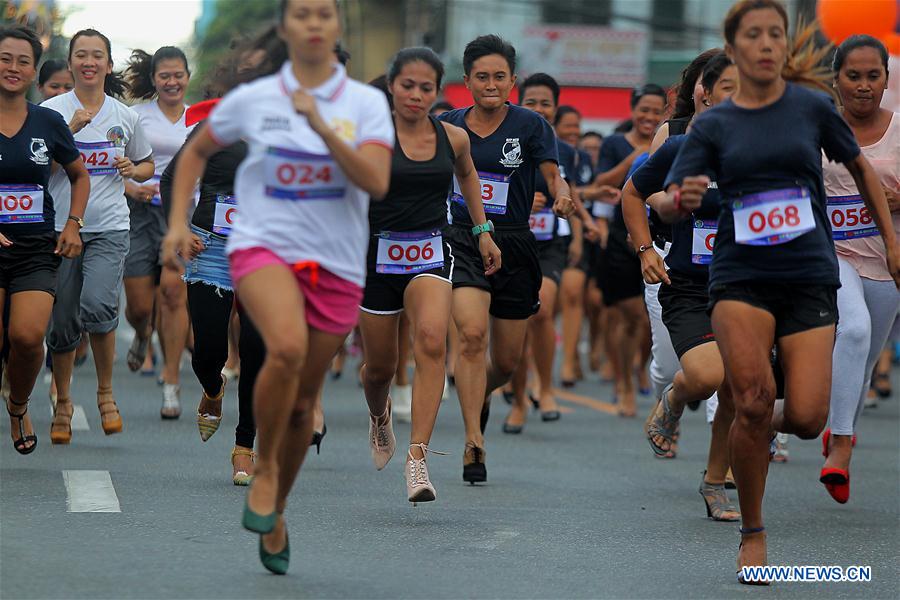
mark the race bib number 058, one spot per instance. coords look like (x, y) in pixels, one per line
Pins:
(21, 203)
(100, 157)
(494, 192)
(850, 218)
(409, 253)
(773, 217)
(295, 175)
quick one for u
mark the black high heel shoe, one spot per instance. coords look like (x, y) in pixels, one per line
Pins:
(318, 437)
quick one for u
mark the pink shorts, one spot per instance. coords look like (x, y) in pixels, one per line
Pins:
(332, 303)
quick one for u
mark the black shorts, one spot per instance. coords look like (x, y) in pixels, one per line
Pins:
(797, 307)
(684, 312)
(30, 265)
(553, 256)
(515, 290)
(383, 294)
(619, 275)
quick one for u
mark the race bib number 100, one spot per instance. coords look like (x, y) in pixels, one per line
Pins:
(295, 175)
(21, 203)
(494, 192)
(100, 157)
(773, 217)
(850, 219)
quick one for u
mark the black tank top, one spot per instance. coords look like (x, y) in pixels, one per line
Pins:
(417, 197)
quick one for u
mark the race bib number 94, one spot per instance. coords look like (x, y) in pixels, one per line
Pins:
(21, 204)
(494, 192)
(295, 175)
(226, 213)
(541, 224)
(773, 217)
(849, 218)
(408, 253)
(100, 157)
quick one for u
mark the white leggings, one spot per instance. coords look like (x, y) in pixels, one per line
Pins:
(867, 310)
(664, 362)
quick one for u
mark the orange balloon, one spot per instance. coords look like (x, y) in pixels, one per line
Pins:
(842, 18)
(892, 43)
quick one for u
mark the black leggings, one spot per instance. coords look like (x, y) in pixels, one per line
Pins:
(210, 310)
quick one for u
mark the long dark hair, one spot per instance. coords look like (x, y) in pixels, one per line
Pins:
(114, 84)
(142, 68)
(229, 73)
(684, 98)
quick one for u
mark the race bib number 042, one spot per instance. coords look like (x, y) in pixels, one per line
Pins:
(21, 203)
(100, 157)
(773, 217)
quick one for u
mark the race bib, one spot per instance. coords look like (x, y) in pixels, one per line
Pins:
(156, 200)
(226, 213)
(295, 175)
(773, 217)
(21, 203)
(100, 157)
(563, 228)
(542, 224)
(704, 238)
(408, 253)
(494, 192)
(850, 218)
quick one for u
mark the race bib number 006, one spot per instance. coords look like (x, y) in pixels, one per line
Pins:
(409, 253)
(494, 192)
(21, 204)
(773, 217)
(295, 175)
(226, 213)
(850, 218)
(100, 157)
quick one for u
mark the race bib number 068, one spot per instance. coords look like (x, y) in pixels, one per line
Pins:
(773, 217)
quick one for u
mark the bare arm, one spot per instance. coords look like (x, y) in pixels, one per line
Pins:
(635, 213)
(563, 205)
(69, 242)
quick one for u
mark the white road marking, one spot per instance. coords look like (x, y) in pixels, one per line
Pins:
(90, 491)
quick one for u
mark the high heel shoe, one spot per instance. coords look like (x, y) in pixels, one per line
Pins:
(837, 482)
(257, 523)
(241, 477)
(61, 427)
(318, 437)
(474, 469)
(826, 438)
(740, 577)
(277, 562)
(20, 443)
(110, 418)
(208, 424)
(718, 506)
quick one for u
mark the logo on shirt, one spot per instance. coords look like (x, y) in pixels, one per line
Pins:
(512, 153)
(116, 135)
(345, 129)
(585, 172)
(39, 152)
(276, 124)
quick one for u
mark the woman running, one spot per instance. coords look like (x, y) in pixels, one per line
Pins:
(162, 78)
(114, 148)
(319, 146)
(867, 299)
(54, 79)
(774, 273)
(409, 264)
(32, 138)
(684, 297)
(619, 270)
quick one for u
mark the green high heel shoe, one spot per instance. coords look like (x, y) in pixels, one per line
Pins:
(276, 563)
(256, 522)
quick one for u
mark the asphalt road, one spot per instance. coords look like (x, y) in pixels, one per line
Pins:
(573, 509)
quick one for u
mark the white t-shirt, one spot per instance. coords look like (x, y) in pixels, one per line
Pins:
(165, 137)
(292, 196)
(114, 131)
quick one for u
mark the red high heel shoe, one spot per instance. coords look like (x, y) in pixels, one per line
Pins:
(837, 482)
(826, 435)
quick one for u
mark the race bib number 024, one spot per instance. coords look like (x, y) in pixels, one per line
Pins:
(100, 157)
(295, 175)
(226, 213)
(850, 218)
(773, 217)
(409, 253)
(494, 192)
(21, 203)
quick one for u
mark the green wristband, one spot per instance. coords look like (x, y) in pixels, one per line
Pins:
(486, 227)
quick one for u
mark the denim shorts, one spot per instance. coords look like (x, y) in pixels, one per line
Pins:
(211, 266)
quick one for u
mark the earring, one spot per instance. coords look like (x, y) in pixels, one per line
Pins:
(705, 102)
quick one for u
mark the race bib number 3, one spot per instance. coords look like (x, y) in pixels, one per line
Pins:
(850, 218)
(704, 239)
(494, 192)
(541, 224)
(295, 175)
(100, 157)
(409, 253)
(773, 217)
(226, 213)
(21, 204)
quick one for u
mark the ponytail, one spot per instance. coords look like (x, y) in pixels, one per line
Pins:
(114, 84)
(805, 64)
(142, 68)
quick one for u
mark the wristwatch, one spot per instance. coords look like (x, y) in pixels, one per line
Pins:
(487, 227)
(78, 220)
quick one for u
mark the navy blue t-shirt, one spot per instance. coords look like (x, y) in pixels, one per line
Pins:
(614, 150)
(507, 159)
(566, 171)
(25, 161)
(773, 148)
(649, 179)
(584, 171)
